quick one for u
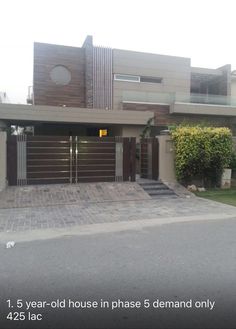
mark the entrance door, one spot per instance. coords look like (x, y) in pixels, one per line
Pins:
(149, 153)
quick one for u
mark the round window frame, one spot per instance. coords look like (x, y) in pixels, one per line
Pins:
(59, 81)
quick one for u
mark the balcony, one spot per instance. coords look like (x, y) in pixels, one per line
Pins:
(148, 97)
(205, 99)
(186, 103)
(203, 104)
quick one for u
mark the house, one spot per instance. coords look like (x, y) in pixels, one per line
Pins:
(94, 91)
(119, 80)
(97, 92)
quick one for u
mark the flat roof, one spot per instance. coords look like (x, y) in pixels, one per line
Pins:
(39, 113)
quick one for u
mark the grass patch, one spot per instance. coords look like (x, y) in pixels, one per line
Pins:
(225, 196)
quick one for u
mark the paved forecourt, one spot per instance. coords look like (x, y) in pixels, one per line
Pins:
(66, 215)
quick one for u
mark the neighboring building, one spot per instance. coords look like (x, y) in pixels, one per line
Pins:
(3, 97)
(91, 90)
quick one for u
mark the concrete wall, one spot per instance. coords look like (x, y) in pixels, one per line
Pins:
(30, 113)
(184, 113)
(203, 109)
(175, 72)
(3, 159)
(132, 131)
(166, 159)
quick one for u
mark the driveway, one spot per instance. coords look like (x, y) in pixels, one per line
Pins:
(66, 206)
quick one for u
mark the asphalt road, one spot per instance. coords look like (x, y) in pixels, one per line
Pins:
(193, 263)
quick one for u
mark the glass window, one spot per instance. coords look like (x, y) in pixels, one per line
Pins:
(127, 77)
(151, 79)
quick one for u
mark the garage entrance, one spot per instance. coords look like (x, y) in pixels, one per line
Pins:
(69, 159)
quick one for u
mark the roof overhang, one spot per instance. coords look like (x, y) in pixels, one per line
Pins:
(56, 114)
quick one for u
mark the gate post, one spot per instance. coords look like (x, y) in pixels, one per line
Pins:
(155, 159)
(166, 159)
(21, 160)
(132, 159)
(119, 159)
(149, 157)
(3, 160)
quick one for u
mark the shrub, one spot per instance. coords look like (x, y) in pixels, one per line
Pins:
(201, 152)
(232, 164)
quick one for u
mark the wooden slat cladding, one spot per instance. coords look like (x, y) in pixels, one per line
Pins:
(129, 158)
(144, 158)
(94, 150)
(48, 159)
(155, 158)
(102, 78)
(47, 92)
(48, 175)
(163, 117)
(96, 156)
(64, 159)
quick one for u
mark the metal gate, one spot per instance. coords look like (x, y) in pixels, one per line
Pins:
(64, 159)
(149, 154)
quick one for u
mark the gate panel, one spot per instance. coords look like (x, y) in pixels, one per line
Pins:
(48, 159)
(149, 153)
(129, 158)
(155, 159)
(93, 159)
(63, 159)
(12, 160)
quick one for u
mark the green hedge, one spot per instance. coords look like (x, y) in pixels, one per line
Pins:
(201, 152)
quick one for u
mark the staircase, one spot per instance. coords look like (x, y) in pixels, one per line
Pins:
(156, 189)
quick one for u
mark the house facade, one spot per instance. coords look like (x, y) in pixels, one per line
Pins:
(121, 81)
(102, 92)
(98, 91)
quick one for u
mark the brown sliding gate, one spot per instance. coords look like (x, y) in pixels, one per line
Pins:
(149, 153)
(64, 159)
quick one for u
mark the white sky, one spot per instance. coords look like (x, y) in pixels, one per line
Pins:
(204, 30)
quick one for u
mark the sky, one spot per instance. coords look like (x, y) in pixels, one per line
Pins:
(204, 30)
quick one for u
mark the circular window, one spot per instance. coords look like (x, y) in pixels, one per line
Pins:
(60, 75)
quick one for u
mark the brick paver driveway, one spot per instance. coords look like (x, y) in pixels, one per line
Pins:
(37, 207)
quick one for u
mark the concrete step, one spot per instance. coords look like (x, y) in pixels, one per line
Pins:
(165, 196)
(157, 189)
(161, 192)
(151, 183)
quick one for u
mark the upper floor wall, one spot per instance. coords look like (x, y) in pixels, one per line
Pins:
(173, 74)
(59, 75)
(98, 77)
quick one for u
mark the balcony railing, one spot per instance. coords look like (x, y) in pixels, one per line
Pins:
(205, 99)
(169, 98)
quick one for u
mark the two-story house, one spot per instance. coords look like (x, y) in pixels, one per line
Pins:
(92, 91)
